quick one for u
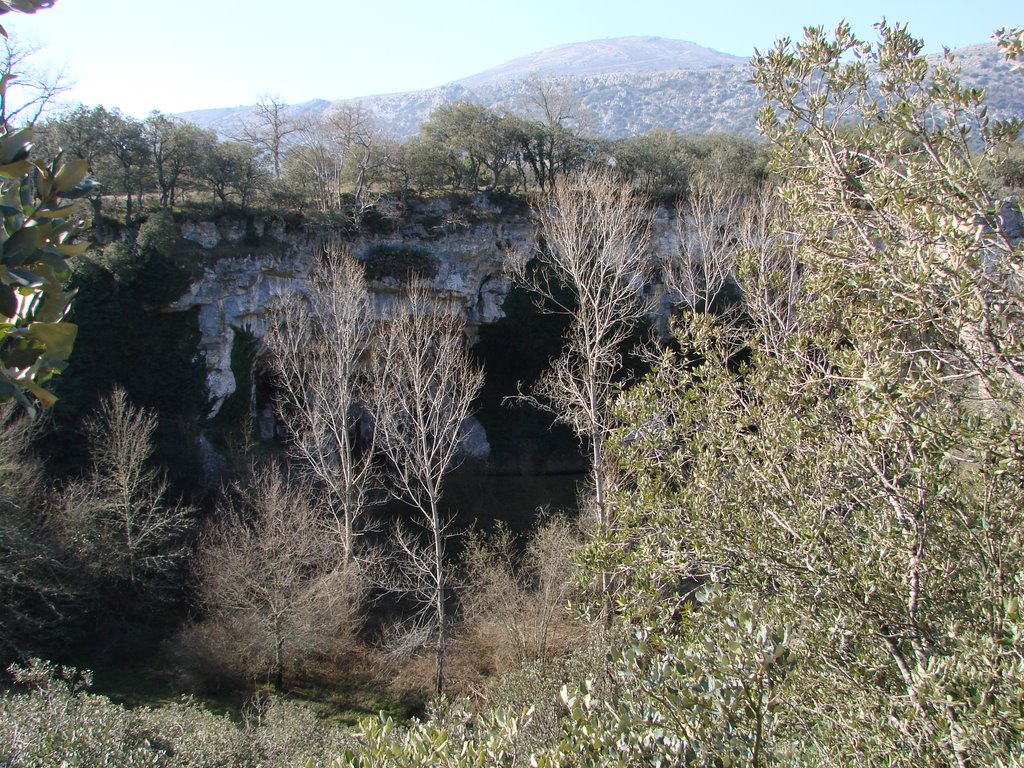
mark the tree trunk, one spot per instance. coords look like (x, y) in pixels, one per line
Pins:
(278, 655)
(439, 608)
(597, 451)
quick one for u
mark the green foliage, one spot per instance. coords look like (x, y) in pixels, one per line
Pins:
(159, 234)
(660, 163)
(400, 262)
(842, 457)
(176, 149)
(710, 690)
(1011, 40)
(232, 170)
(854, 470)
(49, 718)
(713, 699)
(458, 741)
(538, 686)
(40, 225)
(474, 145)
(53, 722)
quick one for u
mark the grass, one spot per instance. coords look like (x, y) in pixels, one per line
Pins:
(349, 703)
(342, 698)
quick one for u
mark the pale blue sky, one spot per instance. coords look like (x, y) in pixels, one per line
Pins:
(141, 55)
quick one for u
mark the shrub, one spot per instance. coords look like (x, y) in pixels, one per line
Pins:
(192, 737)
(516, 595)
(203, 657)
(400, 262)
(274, 572)
(286, 733)
(49, 719)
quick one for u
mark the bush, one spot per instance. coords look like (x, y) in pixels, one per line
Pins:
(400, 262)
(273, 572)
(517, 593)
(49, 719)
(288, 733)
(203, 657)
(192, 737)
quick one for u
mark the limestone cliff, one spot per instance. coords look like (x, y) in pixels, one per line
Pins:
(469, 240)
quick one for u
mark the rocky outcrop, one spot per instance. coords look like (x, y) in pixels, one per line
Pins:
(470, 244)
(252, 264)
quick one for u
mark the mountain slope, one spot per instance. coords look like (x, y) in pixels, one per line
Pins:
(629, 55)
(625, 86)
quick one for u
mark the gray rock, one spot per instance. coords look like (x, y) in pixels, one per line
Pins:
(210, 460)
(241, 292)
(473, 439)
(267, 424)
(204, 233)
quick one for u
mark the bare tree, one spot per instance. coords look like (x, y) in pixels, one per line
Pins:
(119, 517)
(595, 234)
(427, 383)
(552, 143)
(272, 571)
(320, 163)
(30, 89)
(706, 223)
(339, 152)
(554, 103)
(733, 236)
(267, 130)
(319, 347)
(769, 271)
(355, 128)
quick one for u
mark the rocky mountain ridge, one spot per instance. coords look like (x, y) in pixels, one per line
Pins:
(624, 86)
(620, 55)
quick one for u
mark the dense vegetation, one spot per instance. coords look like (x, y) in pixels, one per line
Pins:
(339, 166)
(803, 534)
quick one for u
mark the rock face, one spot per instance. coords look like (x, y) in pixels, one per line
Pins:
(470, 241)
(253, 264)
(470, 244)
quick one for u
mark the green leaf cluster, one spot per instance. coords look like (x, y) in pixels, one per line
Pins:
(41, 224)
(857, 471)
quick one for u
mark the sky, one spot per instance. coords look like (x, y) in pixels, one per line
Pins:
(141, 55)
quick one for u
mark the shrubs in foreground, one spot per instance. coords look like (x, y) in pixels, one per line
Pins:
(49, 718)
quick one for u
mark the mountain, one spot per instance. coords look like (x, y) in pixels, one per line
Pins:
(621, 55)
(625, 86)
